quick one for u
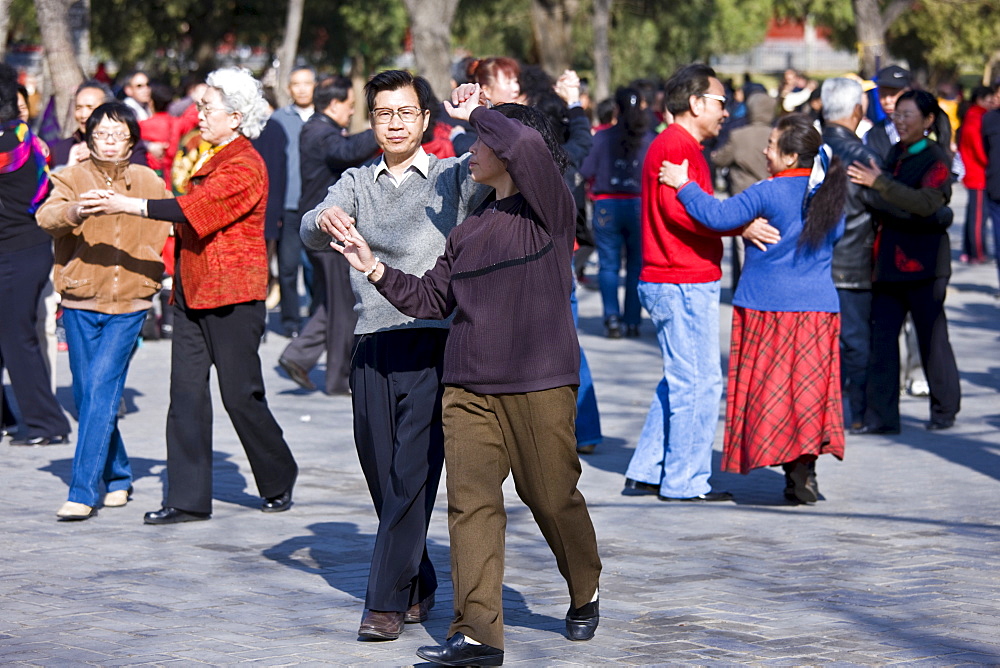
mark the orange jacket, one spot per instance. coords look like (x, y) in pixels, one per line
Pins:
(223, 257)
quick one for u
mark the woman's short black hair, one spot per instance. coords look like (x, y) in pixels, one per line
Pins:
(115, 111)
(533, 118)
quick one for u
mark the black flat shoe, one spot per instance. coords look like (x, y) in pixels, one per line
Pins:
(277, 504)
(701, 498)
(581, 623)
(41, 440)
(460, 652)
(937, 424)
(167, 515)
(636, 488)
(869, 430)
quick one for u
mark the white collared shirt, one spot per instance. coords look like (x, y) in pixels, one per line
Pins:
(421, 163)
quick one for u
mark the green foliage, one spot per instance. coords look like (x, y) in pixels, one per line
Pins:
(652, 39)
(972, 28)
(23, 26)
(835, 15)
(335, 32)
(500, 28)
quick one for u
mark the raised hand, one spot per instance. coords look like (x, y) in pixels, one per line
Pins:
(464, 100)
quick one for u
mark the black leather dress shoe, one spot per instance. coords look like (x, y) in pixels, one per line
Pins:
(296, 373)
(458, 651)
(937, 424)
(168, 515)
(701, 498)
(636, 488)
(277, 504)
(41, 440)
(582, 622)
(871, 430)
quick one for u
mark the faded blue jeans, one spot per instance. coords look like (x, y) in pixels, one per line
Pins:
(675, 447)
(616, 226)
(588, 417)
(100, 349)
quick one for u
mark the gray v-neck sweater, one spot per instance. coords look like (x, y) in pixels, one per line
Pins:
(406, 227)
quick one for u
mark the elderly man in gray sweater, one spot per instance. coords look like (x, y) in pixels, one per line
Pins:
(405, 206)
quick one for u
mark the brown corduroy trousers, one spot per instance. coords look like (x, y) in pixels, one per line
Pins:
(530, 435)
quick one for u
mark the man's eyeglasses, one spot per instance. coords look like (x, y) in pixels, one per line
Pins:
(117, 136)
(406, 114)
(720, 98)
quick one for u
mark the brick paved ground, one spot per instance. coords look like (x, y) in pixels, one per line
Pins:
(897, 566)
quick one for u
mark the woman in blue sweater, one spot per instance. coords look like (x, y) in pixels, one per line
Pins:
(784, 402)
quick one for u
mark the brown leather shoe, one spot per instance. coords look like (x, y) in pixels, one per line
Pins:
(419, 612)
(381, 625)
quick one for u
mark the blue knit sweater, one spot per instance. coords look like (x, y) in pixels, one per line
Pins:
(786, 277)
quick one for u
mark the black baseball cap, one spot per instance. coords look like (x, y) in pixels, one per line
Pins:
(893, 76)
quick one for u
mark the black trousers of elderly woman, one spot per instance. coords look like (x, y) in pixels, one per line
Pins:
(924, 299)
(227, 338)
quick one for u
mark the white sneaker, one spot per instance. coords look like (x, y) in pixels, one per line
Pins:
(918, 388)
(74, 511)
(116, 499)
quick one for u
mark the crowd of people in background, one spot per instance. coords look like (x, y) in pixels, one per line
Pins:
(188, 212)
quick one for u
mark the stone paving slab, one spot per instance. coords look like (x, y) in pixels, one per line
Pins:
(897, 566)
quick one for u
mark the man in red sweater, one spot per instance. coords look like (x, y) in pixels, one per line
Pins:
(970, 147)
(679, 287)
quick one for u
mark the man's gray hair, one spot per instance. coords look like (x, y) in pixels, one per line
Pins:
(241, 92)
(840, 95)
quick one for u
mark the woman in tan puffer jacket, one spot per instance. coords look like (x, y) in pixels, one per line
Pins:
(107, 269)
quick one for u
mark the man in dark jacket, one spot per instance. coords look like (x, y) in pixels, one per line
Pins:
(843, 109)
(325, 152)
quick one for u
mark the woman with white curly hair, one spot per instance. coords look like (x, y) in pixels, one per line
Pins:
(219, 314)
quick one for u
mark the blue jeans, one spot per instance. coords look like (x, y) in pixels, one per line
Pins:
(675, 447)
(617, 225)
(994, 209)
(588, 418)
(855, 349)
(100, 349)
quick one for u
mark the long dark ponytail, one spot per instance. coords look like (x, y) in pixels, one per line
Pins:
(632, 118)
(824, 207)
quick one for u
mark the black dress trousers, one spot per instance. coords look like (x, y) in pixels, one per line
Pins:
(226, 337)
(924, 299)
(396, 385)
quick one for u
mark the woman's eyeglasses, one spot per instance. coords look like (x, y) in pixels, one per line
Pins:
(117, 136)
(207, 109)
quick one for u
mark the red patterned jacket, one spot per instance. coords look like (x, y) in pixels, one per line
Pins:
(223, 257)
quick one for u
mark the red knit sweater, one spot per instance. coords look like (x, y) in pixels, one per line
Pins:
(223, 257)
(675, 247)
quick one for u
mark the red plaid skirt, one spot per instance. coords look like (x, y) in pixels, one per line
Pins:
(783, 398)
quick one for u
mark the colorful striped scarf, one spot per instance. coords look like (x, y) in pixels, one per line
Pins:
(14, 159)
